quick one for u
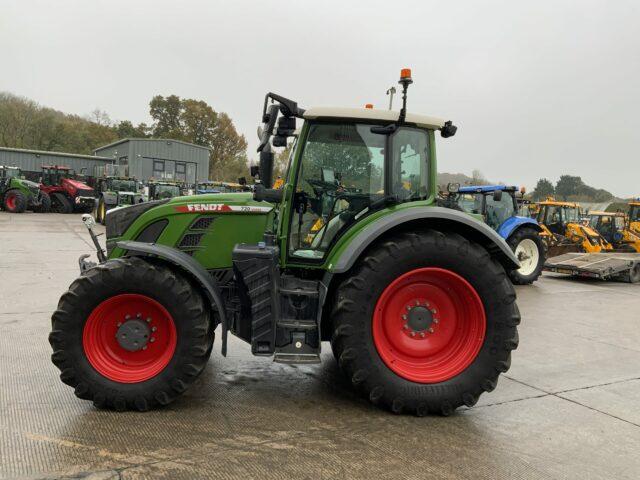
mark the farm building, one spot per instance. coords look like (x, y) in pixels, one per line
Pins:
(148, 158)
(31, 161)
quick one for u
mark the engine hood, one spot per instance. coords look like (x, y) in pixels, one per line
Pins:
(241, 202)
(77, 184)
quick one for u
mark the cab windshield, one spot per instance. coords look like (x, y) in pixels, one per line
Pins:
(167, 191)
(123, 185)
(499, 211)
(342, 176)
(634, 213)
(12, 172)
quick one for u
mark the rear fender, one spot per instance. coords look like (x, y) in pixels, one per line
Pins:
(512, 224)
(189, 267)
(437, 218)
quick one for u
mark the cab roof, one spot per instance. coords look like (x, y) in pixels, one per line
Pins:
(486, 188)
(423, 121)
(597, 213)
(559, 204)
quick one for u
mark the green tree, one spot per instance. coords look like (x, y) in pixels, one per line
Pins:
(568, 185)
(544, 188)
(166, 113)
(126, 129)
(228, 151)
(198, 122)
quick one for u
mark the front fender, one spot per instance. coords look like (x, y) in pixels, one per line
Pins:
(416, 217)
(190, 267)
(513, 223)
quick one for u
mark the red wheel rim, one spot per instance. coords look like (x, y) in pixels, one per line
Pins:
(423, 350)
(11, 202)
(105, 352)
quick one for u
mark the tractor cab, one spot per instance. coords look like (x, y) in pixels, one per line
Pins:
(634, 217)
(161, 190)
(67, 191)
(9, 172)
(496, 204)
(556, 216)
(54, 174)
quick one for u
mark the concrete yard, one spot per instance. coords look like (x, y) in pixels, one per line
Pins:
(568, 408)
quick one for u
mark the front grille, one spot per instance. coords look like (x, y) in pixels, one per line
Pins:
(190, 240)
(83, 192)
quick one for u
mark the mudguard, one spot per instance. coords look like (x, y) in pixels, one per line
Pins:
(438, 217)
(110, 198)
(191, 267)
(512, 224)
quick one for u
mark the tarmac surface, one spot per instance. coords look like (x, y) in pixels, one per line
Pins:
(568, 408)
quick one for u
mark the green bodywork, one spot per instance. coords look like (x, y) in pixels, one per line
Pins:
(231, 228)
(10, 180)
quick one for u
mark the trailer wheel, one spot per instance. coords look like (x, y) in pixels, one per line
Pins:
(425, 323)
(45, 203)
(634, 274)
(529, 249)
(60, 203)
(130, 335)
(15, 201)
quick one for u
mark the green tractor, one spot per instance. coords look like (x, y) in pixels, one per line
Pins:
(115, 189)
(164, 189)
(18, 194)
(414, 298)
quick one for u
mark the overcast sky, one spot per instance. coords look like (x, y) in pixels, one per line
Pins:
(537, 88)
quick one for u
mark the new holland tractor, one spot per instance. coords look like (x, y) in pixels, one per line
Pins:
(414, 298)
(497, 205)
(564, 231)
(115, 189)
(18, 195)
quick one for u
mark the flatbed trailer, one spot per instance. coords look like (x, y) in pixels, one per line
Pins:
(606, 266)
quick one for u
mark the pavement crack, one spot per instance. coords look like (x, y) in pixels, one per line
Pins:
(599, 411)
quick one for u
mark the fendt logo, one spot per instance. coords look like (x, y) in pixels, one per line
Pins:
(220, 208)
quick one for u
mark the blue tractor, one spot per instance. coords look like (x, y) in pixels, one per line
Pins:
(497, 206)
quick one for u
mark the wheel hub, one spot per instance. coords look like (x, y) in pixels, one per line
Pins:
(419, 319)
(133, 335)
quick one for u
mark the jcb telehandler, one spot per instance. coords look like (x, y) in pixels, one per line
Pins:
(634, 217)
(414, 298)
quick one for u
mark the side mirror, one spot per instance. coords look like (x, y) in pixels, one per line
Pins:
(266, 167)
(448, 129)
(453, 187)
(497, 195)
(254, 171)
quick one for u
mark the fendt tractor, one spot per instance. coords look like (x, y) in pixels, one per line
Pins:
(18, 194)
(414, 298)
(67, 192)
(498, 206)
(115, 189)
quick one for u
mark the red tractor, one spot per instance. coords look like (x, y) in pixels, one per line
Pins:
(68, 194)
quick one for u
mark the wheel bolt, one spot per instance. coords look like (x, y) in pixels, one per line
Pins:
(138, 315)
(152, 339)
(408, 308)
(431, 330)
(405, 326)
(422, 334)
(127, 317)
(148, 319)
(144, 348)
(435, 320)
(153, 329)
(119, 324)
(413, 334)
(404, 317)
(434, 311)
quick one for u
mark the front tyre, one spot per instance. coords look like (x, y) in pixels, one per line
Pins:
(130, 335)
(425, 323)
(15, 201)
(529, 249)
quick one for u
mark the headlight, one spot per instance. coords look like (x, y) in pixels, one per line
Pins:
(120, 219)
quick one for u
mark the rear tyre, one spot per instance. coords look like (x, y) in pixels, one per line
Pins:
(425, 323)
(45, 204)
(60, 203)
(529, 249)
(15, 201)
(130, 335)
